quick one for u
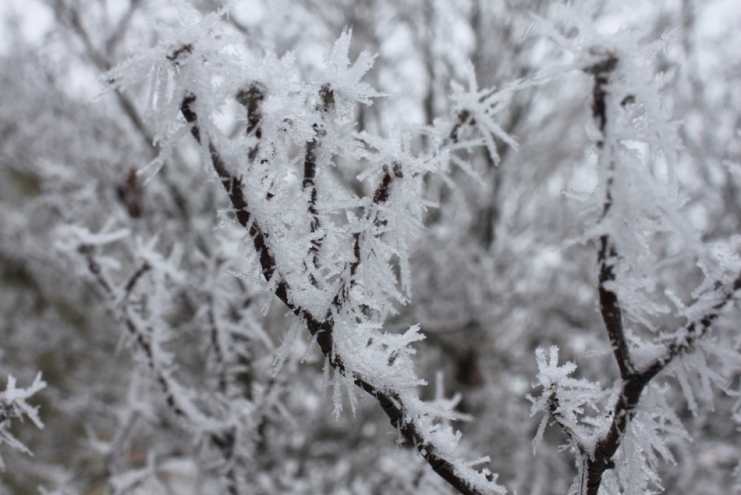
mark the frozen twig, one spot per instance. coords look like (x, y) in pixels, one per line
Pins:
(13, 405)
(322, 327)
(634, 380)
(220, 436)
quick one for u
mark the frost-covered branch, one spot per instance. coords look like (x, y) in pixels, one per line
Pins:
(636, 205)
(634, 384)
(607, 254)
(697, 328)
(292, 194)
(634, 381)
(148, 339)
(391, 401)
(13, 406)
(326, 104)
(331, 257)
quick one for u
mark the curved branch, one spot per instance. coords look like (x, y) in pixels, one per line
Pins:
(323, 328)
(634, 385)
(633, 381)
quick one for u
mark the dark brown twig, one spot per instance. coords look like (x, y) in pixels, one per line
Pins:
(607, 254)
(633, 381)
(322, 328)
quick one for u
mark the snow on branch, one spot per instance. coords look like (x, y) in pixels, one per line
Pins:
(566, 400)
(148, 332)
(637, 200)
(477, 107)
(339, 341)
(13, 406)
(338, 261)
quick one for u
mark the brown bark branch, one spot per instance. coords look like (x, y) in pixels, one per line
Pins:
(610, 309)
(309, 182)
(323, 328)
(607, 254)
(633, 381)
(610, 306)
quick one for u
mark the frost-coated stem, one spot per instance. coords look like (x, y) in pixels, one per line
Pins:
(323, 327)
(326, 94)
(223, 439)
(607, 255)
(601, 460)
(634, 384)
(633, 381)
(610, 306)
(693, 331)
(220, 366)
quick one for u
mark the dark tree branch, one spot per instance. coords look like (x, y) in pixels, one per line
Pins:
(220, 367)
(251, 98)
(607, 254)
(309, 184)
(555, 413)
(692, 332)
(380, 196)
(634, 384)
(610, 306)
(633, 381)
(325, 106)
(326, 94)
(601, 460)
(323, 328)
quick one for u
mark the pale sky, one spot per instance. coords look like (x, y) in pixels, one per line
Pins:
(35, 19)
